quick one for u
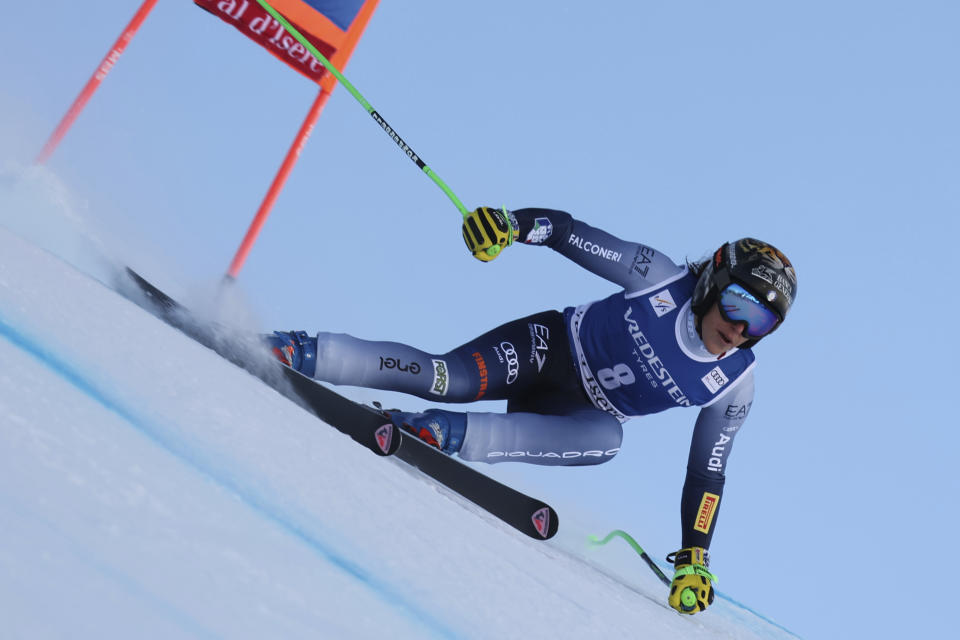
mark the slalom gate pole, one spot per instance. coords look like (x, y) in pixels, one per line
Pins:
(327, 84)
(636, 547)
(293, 154)
(366, 105)
(94, 82)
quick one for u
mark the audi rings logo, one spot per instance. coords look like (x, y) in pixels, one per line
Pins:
(513, 362)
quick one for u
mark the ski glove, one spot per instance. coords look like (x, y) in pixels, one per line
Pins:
(488, 231)
(692, 588)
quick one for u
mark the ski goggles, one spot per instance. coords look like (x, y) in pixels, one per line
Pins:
(739, 305)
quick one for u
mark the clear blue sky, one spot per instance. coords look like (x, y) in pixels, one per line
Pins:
(829, 129)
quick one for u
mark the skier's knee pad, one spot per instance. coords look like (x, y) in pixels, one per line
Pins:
(606, 433)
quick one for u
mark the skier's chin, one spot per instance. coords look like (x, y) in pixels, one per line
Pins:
(717, 343)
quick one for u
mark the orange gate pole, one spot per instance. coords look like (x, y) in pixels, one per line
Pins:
(105, 65)
(327, 84)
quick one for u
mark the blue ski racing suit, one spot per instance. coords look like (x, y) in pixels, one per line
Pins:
(572, 378)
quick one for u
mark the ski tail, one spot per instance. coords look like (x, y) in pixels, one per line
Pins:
(369, 426)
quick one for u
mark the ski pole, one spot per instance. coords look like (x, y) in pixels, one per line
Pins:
(366, 105)
(636, 547)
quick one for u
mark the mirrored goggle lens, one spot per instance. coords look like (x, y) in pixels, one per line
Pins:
(739, 305)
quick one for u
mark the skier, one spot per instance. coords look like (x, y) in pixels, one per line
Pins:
(677, 335)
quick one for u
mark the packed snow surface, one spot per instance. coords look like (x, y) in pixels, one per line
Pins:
(152, 490)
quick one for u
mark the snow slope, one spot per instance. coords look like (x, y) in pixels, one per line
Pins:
(151, 490)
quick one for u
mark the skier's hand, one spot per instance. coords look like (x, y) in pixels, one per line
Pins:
(488, 231)
(692, 588)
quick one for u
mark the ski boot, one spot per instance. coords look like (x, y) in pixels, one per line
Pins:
(295, 349)
(438, 428)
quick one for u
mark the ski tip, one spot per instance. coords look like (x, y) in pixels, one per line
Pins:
(151, 292)
(139, 280)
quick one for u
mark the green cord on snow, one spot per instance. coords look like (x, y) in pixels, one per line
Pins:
(618, 533)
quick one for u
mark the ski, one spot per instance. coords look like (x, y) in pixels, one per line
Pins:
(365, 425)
(529, 515)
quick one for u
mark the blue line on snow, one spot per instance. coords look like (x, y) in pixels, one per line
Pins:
(86, 556)
(75, 378)
(737, 603)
